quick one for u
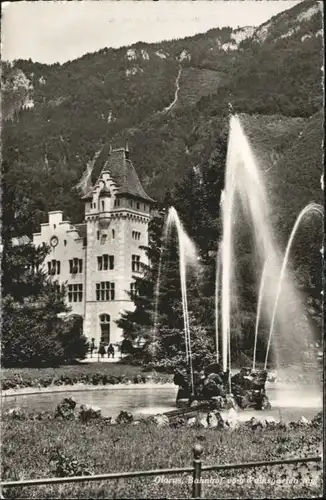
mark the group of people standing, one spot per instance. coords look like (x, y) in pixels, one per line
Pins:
(103, 349)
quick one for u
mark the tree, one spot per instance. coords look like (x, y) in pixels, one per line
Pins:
(32, 332)
(74, 343)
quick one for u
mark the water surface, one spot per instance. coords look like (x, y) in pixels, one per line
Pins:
(289, 402)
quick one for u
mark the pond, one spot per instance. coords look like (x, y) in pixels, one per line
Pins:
(289, 402)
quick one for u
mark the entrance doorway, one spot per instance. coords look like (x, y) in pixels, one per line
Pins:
(105, 328)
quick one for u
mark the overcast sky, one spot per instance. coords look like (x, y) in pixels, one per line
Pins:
(61, 31)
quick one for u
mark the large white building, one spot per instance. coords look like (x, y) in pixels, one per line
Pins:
(97, 260)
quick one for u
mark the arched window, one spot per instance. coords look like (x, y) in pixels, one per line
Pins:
(105, 328)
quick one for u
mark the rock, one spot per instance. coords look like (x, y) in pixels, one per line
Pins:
(194, 404)
(70, 402)
(137, 379)
(89, 412)
(17, 413)
(214, 420)
(217, 403)
(318, 419)
(192, 422)
(230, 402)
(203, 422)
(304, 421)
(232, 424)
(161, 420)
(254, 423)
(282, 425)
(109, 420)
(65, 409)
(210, 389)
(125, 417)
(136, 422)
(270, 422)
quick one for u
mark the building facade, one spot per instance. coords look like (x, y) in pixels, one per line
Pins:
(97, 260)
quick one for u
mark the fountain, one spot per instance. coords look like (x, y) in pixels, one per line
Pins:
(279, 302)
(311, 208)
(260, 297)
(188, 258)
(246, 181)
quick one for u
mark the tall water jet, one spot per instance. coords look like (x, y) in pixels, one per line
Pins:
(157, 295)
(245, 189)
(217, 289)
(260, 298)
(226, 249)
(187, 258)
(311, 208)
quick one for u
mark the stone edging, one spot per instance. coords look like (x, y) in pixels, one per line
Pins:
(31, 391)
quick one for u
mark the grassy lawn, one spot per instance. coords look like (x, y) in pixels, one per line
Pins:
(92, 373)
(28, 446)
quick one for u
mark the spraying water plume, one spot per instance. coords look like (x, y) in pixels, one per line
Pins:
(188, 258)
(245, 188)
(309, 209)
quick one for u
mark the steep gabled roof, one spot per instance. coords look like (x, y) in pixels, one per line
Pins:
(117, 163)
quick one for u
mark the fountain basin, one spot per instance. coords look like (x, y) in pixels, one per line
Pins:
(216, 390)
(289, 401)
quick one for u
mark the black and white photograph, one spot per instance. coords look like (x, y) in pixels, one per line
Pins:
(162, 218)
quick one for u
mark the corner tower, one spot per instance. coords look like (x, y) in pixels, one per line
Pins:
(117, 213)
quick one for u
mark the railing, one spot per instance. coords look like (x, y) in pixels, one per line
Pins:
(196, 470)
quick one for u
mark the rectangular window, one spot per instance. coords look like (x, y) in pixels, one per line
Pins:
(60, 289)
(136, 235)
(75, 292)
(105, 290)
(135, 263)
(54, 267)
(138, 206)
(130, 203)
(75, 266)
(105, 262)
(117, 202)
(133, 290)
(98, 235)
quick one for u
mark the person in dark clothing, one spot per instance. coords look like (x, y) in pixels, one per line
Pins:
(111, 351)
(101, 350)
(92, 346)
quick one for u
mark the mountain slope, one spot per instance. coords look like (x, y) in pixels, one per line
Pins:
(59, 117)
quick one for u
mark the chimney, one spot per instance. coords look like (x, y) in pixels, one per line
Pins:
(127, 150)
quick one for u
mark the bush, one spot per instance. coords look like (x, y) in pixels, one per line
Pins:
(74, 343)
(29, 339)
